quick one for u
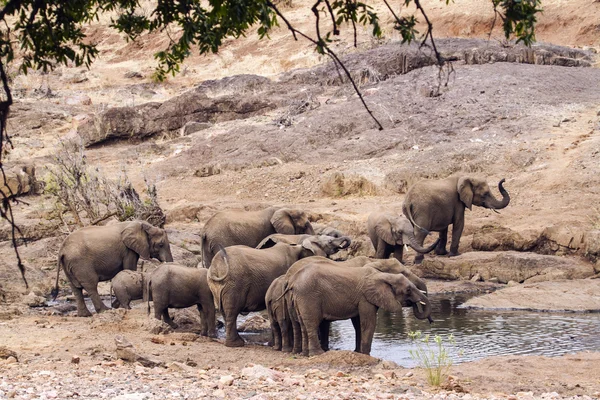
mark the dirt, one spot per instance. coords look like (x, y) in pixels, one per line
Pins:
(315, 147)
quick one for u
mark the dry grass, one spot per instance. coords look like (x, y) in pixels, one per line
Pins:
(340, 185)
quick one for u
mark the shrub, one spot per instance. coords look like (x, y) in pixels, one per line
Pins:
(432, 356)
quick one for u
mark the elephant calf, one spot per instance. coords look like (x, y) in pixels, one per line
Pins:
(320, 293)
(389, 234)
(239, 276)
(178, 286)
(127, 285)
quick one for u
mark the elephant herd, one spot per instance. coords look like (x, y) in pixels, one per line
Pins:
(274, 259)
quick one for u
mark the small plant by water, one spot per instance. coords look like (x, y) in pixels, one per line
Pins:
(432, 355)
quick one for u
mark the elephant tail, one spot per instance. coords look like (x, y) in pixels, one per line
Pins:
(204, 246)
(226, 262)
(54, 292)
(147, 292)
(412, 221)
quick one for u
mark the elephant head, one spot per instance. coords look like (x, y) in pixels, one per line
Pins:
(325, 245)
(394, 291)
(393, 266)
(398, 231)
(476, 191)
(148, 241)
(291, 222)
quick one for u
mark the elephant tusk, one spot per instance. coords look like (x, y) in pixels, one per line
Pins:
(422, 291)
(423, 303)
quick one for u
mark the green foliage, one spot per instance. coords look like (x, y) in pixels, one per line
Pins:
(433, 357)
(519, 18)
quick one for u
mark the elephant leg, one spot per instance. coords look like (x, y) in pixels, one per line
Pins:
(310, 329)
(398, 252)
(115, 303)
(203, 321)
(82, 310)
(287, 336)
(440, 249)
(356, 325)
(382, 251)
(324, 334)
(167, 318)
(368, 320)
(211, 320)
(420, 237)
(276, 331)
(232, 336)
(96, 300)
(296, 329)
(457, 228)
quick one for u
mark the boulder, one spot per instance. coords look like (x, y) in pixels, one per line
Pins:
(255, 323)
(576, 295)
(504, 266)
(499, 238)
(20, 180)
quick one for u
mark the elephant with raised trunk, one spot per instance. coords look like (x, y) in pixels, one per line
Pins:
(248, 228)
(320, 292)
(240, 276)
(284, 323)
(433, 205)
(389, 234)
(178, 286)
(97, 253)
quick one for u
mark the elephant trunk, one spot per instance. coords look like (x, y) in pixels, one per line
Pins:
(412, 242)
(343, 242)
(308, 229)
(499, 204)
(422, 308)
(165, 255)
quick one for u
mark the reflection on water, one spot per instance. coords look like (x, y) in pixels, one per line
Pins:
(477, 333)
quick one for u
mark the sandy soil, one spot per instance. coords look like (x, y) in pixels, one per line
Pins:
(535, 125)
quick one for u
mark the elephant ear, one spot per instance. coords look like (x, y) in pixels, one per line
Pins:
(134, 236)
(384, 231)
(313, 248)
(268, 242)
(465, 191)
(379, 290)
(282, 222)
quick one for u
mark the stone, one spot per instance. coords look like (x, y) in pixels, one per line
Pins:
(133, 74)
(476, 278)
(75, 359)
(226, 380)
(504, 266)
(259, 372)
(193, 127)
(78, 100)
(498, 238)
(5, 353)
(33, 300)
(256, 323)
(126, 352)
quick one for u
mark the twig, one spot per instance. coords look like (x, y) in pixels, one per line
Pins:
(107, 216)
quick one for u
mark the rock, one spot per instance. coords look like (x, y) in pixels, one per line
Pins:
(126, 352)
(78, 100)
(177, 366)
(11, 360)
(20, 180)
(33, 300)
(133, 74)
(153, 118)
(133, 396)
(476, 278)
(219, 393)
(226, 380)
(193, 127)
(157, 327)
(207, 170)
(504, 266)
(75, 359)
(259, 372)
(499, 238)
(256, 323)
(576, 295)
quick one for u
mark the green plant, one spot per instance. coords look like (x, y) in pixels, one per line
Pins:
(432, 355)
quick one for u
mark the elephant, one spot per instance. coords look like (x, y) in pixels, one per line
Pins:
(285, 327)
(390, 233)
(275, 238)
(327, 230)
(240, 275)
(320, 292)
(127, 285)
(97, 253)
(433, 205)
(238, 227)
(177, 286)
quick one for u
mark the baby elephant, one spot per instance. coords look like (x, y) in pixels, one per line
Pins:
(177, 286)
(127, 285)
(389, 234)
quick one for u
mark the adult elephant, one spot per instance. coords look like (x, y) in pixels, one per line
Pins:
(97, 253)
(248, 228)
(389, 234)
(433, 205)
(284, 322)
(240, 275)
(329, 293)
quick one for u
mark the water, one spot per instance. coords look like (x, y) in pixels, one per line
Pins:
(477, 333)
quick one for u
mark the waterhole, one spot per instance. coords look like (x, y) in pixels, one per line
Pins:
(477, 333)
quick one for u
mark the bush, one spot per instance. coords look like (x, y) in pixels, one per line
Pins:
(84, 196)
(433, 357)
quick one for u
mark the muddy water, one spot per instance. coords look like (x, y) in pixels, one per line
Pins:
(477, 333)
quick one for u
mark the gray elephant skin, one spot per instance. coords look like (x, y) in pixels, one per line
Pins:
(127, 286)
(248, 228)
(389, 234)
(240, 275)
(284, 323)
(178, 286)
(433, 205)
(97, 253)
(348, 293)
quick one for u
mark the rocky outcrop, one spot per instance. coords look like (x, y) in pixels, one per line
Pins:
(169, 117)
(20, 180)
(574, 296)
(500, 238)
(505, 267)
